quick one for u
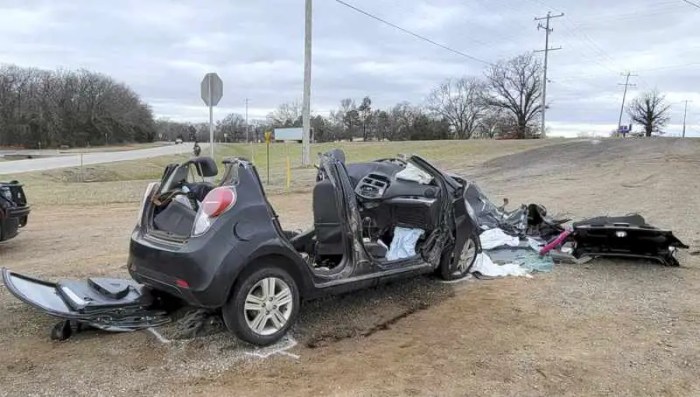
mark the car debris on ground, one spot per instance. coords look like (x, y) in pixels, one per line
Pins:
(527, 239)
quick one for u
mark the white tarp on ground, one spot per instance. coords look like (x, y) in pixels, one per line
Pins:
(484, 265)
(494, 238)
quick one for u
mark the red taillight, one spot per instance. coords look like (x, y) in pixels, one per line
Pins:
(218, 201)
(182, 283)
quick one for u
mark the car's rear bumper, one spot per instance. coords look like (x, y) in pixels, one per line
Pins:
(67, 300)
(193, 271)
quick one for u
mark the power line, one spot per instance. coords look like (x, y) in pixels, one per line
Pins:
(679, 66)
(444, 47)
(624, 96)
(691, 3)
(685, 114)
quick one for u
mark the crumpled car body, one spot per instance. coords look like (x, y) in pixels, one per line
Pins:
(222, 248)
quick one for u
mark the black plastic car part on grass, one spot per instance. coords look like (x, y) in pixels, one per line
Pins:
(627, 236)
(14, 210)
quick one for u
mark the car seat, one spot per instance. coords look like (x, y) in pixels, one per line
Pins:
(327, 220)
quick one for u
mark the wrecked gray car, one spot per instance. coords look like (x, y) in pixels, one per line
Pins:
(221, 247)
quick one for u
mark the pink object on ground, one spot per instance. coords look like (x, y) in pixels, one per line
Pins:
(557, 241)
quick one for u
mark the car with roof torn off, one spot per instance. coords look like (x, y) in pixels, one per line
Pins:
(222, 248)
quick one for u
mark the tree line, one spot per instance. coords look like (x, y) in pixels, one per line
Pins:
(40, 108)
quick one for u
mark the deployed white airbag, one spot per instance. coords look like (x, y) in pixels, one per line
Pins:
(415, 174)
(404, 243)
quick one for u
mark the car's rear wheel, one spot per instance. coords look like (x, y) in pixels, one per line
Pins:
(453, 267)
(263, 306)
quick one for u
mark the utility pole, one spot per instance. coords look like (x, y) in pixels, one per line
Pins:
(624, 96)
(247, 133)
(685, 113)
(546, 50)
(306, 111)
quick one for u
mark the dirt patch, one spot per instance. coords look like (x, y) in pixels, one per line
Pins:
(361, 314)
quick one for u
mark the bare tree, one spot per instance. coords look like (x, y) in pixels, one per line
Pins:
(650, 110)
(516, 88)
(460, 102)
(346, 118)
(231, 128)
(493, 123)
(365, 113)
(286, 115)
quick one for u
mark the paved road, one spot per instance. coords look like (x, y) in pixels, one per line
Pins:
(49, 163)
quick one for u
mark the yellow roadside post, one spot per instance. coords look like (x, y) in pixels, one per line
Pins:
(289, 168)
(268, 136)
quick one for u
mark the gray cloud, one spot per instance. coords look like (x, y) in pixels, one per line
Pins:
(162, 48)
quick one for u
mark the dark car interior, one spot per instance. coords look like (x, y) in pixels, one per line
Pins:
(181, 194)
(386, 200)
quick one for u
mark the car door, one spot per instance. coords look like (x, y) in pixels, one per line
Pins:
(357, 262)
(457, 221)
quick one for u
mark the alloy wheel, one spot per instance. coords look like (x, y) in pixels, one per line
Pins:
(466, 258)
(268, 306)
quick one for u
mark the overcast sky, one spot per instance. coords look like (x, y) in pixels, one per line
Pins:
(163, 48)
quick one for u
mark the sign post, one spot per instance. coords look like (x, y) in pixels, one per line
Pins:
(212, 90)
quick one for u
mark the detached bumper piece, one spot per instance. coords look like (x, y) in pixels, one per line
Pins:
(628, 236)
(115, 305)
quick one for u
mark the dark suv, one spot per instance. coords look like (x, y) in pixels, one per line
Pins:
(222, 247)
(14, 210)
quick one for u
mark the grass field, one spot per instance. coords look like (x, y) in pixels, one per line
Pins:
(124, 182)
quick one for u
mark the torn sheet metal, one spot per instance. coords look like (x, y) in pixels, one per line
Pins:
(526, 220)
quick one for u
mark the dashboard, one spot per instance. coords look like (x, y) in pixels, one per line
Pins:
(393, 201)
(377, 181)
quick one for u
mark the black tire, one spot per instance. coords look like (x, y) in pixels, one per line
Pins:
(61, 331)
(235, 316)
(449, 269)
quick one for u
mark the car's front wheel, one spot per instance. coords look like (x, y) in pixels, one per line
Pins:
(454, 267)
(263, 306)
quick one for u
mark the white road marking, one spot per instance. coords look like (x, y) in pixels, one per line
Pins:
(278, 348)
